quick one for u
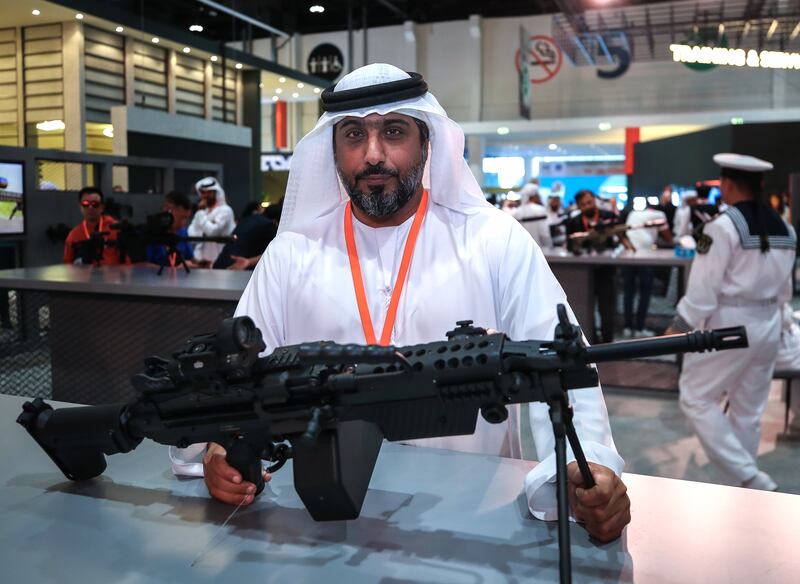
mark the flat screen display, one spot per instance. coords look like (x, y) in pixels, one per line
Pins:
(12, 199)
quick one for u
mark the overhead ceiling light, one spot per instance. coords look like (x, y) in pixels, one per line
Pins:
(238, 65)
(155, 40)
(295, 95)
(282, 79)
(278, 90)
(317, 9)
(408, 31)
(317, 90)
(503, 130)
(187, 50)
(108, 131)
(772, 28)
(214, 58)
(795, 32)
(119, 29)
(552, 147)
(79, 16)
(737, 121)
(36, 12)
(50, 125)
(475, 26)
(604, 126)
(275, 98)
(196, 28)
(301, 85)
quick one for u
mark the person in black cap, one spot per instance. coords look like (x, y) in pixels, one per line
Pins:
(741, 276)
(255, 230)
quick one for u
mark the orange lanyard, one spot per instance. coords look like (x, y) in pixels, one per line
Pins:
(173, 258)
(358, 280)
(86, 230)
(589, 224)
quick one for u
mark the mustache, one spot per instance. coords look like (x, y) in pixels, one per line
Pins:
(377, 170)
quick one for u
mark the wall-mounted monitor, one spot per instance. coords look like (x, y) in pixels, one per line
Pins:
(12, 198)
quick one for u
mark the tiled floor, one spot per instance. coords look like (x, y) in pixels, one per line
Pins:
(654, 438)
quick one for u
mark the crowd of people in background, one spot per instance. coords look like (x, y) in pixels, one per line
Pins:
(203, 234)
(206, 234)
(594, 224)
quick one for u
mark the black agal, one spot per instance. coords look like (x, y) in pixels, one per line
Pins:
(361, 97)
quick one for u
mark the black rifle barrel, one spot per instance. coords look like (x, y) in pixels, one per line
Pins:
(694, 342)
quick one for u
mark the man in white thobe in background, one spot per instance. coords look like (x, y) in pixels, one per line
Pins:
(533, 216)
(384, 154)
(214, 218)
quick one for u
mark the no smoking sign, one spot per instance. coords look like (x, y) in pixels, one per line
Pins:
(544, 59)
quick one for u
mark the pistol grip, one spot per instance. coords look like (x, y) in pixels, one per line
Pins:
(245, 458)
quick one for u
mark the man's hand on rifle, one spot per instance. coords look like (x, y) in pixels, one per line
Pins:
(605, 509)
(242, 263)
(225, 482)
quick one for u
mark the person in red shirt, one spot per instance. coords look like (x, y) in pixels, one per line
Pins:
(87, 243)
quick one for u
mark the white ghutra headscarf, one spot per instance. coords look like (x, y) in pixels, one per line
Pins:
(314, 187)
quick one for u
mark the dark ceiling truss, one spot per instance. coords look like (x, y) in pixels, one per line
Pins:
(647, 30)
(294, 17)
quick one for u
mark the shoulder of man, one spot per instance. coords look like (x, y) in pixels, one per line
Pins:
(574, 223)
(717, 230)
(490, 227)
(75, 232)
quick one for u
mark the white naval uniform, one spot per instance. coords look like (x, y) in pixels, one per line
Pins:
(734, 284)
(539, 230)
(481, 266)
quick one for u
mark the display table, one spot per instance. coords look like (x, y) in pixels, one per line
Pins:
(575, 274)
(86, 330)
(429, 516)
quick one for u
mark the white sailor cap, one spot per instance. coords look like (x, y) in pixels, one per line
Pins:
(742, 162)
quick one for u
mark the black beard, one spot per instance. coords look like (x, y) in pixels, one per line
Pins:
(379, 203)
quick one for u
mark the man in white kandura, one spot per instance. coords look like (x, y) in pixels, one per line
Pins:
(214, 218)
(741, 276)
(381, 177)
(533, 216)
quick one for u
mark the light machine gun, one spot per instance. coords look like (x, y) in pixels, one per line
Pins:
(597, 237)
(133, 240)
(335, 404)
